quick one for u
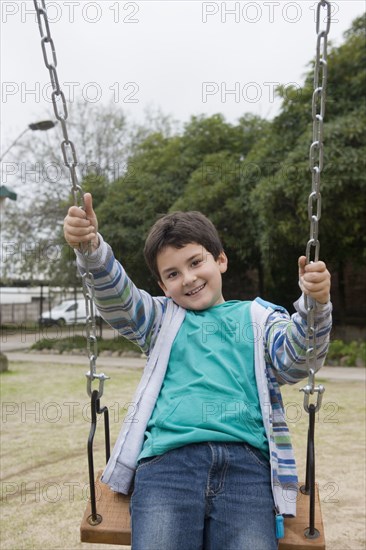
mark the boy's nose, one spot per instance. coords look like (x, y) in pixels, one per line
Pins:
(188, 279)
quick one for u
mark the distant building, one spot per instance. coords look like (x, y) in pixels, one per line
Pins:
(25, 304)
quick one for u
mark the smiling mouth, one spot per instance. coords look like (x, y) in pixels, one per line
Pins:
(196, 290)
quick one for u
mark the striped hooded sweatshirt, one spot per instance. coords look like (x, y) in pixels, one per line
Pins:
(153, 323)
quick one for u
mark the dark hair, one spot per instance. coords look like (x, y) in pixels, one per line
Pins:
(179, 229)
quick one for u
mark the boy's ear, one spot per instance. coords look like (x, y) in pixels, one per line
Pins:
(223, 262)
(164, 289)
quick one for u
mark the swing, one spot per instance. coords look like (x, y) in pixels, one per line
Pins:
(107, 519)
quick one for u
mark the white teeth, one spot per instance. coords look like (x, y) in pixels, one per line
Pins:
(195, 290)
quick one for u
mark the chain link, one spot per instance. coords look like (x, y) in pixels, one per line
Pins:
(70, 160)
(316, 165)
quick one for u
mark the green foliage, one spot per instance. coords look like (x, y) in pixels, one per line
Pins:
(199, 169)
(65, 345)
(97, 185)
(347, 76)
(280, 193)
(347, 354)
(154, 178)
(214, 189)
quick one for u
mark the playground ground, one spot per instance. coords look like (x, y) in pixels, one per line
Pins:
(45, 424)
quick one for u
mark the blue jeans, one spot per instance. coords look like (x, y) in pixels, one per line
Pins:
(212, 496)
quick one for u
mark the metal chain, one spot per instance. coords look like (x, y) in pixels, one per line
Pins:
(316, 164)
(70, 160)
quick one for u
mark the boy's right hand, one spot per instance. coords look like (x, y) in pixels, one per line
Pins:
(81, 226)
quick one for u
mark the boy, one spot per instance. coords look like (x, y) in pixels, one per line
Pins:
(208, 449)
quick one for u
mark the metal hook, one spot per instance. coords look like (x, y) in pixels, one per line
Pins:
(101, 377)
(310, 390)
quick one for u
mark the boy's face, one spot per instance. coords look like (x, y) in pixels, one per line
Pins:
(191, 276)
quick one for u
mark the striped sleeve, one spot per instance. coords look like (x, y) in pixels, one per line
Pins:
(285, 341)
(132, 312)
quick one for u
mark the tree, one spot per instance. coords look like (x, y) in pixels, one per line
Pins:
(32, 228)
(216, 188)
(280, 198)
(197, 169)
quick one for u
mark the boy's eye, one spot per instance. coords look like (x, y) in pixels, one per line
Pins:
(196, 262)
(172, 275)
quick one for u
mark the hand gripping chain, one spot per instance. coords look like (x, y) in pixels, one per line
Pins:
(316, 164)
(70, 160)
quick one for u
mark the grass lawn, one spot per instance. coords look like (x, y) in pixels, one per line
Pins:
(45, 425)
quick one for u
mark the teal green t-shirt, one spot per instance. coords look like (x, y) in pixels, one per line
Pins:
(209, 391)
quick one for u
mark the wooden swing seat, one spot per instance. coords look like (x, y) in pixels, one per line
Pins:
(115, 525)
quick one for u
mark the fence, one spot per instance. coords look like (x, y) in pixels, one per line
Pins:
(21, 305)
(19, 313)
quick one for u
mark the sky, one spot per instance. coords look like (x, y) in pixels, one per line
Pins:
(184, 57)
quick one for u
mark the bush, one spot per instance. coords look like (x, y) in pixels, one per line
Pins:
(68, 344)
(347, 354)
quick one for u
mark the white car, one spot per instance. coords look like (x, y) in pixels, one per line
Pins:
(68, 312)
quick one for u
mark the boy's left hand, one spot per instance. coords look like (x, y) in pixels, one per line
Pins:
(314, 280)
